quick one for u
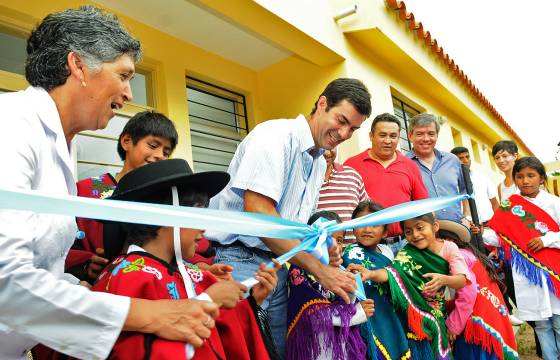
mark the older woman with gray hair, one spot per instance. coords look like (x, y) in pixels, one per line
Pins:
(79, 65)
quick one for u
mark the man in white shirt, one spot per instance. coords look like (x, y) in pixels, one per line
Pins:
(484, 191)
(278, 170)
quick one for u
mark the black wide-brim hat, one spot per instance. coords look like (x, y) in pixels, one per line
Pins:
(141, 184)
(161, 175)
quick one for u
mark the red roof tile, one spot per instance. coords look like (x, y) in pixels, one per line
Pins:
(432, 43)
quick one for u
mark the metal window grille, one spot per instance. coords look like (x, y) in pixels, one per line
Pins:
(96, 151)
(218, 123)
(404, 112)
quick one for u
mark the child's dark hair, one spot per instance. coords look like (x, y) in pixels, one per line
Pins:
(148, 123)
(370, 207)
(139, 234)
(451, 236)
(329, 215)
(504, 145)
(428, 217)
(529, 162)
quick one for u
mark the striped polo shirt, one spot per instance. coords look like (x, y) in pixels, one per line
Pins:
(341, 192)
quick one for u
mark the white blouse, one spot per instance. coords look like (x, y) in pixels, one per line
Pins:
(37, 303)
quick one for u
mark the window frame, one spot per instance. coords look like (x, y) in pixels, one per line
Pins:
(405, 120)
(241, 127)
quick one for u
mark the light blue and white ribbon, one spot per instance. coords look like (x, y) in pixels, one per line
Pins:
(314, 238)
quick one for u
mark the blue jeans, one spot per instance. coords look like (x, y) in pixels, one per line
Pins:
(245, 264)
(548, 332)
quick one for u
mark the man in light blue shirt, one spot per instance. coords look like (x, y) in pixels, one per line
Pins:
(278, 170)
(441, 171)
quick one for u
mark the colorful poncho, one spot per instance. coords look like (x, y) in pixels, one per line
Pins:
(388, 333)
(236, 335)
(488, 326)
(516, 222)
(311, 333)
(424, 311)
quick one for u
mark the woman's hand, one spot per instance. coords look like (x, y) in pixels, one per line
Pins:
(368, 306)
(226, 293)
(96, 264)
(268, 279)
(186, 320)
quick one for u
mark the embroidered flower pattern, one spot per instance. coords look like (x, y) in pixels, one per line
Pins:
(296, 277)
(356, 253)
(436, 302)
(541, 227)
(152, 270)
(406, 263)
(195, 275)
(101, 189)
(106, 194)
(518, 210)
(136, 265)
(527, 218)
(505, 205)
(172, 290)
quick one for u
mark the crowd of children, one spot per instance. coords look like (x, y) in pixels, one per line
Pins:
(439, 297)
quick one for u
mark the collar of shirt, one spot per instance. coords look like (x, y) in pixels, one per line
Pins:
(133, 248)
(305, 138)
(412, 154)
(47, 111)
(365, 157)
(439, 155)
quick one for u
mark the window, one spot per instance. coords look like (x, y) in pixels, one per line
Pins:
(218, 122)
(142, 89)
(12, 52)
(476, 151)
(96, 151)
(404, 112)
(457, 139)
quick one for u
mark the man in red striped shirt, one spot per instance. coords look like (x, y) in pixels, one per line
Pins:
(342, 189)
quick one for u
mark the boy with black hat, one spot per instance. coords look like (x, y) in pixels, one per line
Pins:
(153, 268)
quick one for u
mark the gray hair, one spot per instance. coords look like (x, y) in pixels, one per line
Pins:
(423, 119)
(95, 35)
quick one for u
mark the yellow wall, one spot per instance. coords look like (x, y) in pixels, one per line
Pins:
(372, 45)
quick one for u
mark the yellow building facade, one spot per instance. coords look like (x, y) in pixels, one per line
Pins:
(271, 59)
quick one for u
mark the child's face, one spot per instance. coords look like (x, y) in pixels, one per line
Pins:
(339, 238)
(505, 160)
(420, 233)
(369, 236)
(528, 181)
(147, 150)
(189, 238)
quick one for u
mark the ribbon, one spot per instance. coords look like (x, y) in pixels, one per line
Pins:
(315, 238)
